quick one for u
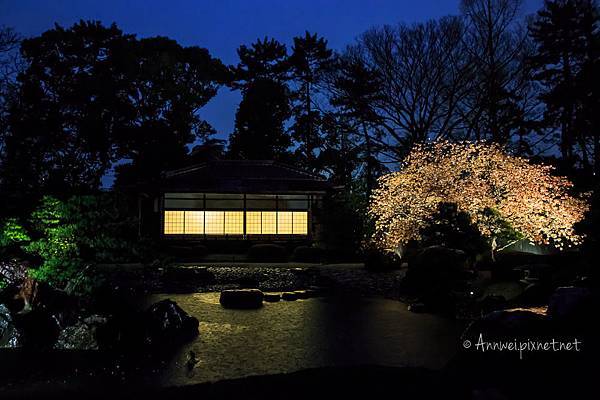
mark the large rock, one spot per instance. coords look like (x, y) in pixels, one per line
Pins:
(272, 297)
(434, 275)
(82, 335)
(289, 296)
(163, 324)
(5, 319)
(77, 337)
(9, 336)
(506, 324)
(242, 298)
(534, 294)
(437, 264)
(38, 329)
(14, 271)
(491, 303)
(571, 304)
(509, 264)
(377, 260)
(165, 321)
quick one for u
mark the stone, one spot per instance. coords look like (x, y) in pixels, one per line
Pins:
(417, 307)
(9, 336)
(507, 324)
(5, 319)
(241, 298)
(534, 294)
(80, 336)
(191, 273)
(571, 303)
(166, 321)
(289, 296)
(435, 268)
(95, 320)
(301, 294)
(272, 297)
(377, 260)
(317, 291)
(492, 303)
(37, 329)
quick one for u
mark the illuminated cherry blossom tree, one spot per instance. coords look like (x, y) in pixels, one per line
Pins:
(497, 190)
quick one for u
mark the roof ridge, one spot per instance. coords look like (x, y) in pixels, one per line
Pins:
(290, 167)
(195, 167)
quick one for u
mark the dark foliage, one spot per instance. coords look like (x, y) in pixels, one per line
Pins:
(344, 223)
(64, 240)
(259, 124)
(92, 95)
(267, 253)
(261, 75)
(567, 38)
(453, 229)
(308, 254)
(310, 61)
(376, 260)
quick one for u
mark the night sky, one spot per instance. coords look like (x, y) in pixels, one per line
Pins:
(221, 26)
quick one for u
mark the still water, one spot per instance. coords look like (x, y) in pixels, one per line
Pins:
(290, 336)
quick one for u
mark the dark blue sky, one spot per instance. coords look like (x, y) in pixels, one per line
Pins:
(222, 25)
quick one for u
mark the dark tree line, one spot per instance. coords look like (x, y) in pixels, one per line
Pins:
(491, 73)
(89, 96)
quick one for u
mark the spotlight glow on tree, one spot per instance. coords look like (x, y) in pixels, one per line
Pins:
(496, 189)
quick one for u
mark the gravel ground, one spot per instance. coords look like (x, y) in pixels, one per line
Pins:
(339, 278)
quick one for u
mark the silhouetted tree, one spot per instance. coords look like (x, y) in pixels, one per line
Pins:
(340, 155)
(170, 84)
(566, 33)
(501, 99)
(310, 60)
(354, 91)
(261, 75)
(9, 66)
(71, 100)
(424, 77)
(91, 95)
(259, 123)
(210, 149)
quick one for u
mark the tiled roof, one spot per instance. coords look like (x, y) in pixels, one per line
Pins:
(244, 176)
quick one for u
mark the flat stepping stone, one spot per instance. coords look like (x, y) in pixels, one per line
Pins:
(417, 308)
(289, 296)
(317, 290)
(301, 294)
(272, 297)
(241, 298)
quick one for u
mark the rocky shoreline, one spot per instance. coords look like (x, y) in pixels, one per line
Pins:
(130, 338)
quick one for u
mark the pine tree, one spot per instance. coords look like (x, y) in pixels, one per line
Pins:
(310, 60)
(261, 76)
(355, 88)
(566, 36)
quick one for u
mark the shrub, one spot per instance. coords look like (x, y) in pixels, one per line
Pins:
(12, 232)
(12, 235)
(267, 253)
(68, 236)
(453, 229)
(377, 260)
(189, 253)
(308, 254)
